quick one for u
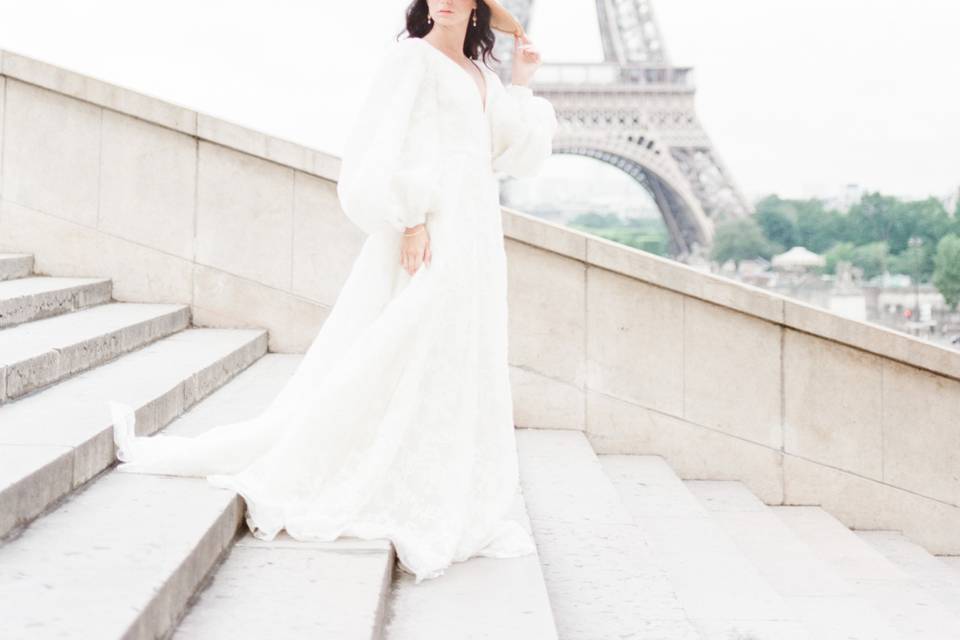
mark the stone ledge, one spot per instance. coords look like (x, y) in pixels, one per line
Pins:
(168, 114)
(742, 297)
(96, 91)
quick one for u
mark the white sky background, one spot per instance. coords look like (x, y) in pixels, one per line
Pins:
(800, 97)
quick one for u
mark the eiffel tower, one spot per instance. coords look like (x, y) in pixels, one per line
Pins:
(635, 111)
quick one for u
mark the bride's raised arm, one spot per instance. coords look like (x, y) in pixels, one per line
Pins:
(391, 162)
(522, 130)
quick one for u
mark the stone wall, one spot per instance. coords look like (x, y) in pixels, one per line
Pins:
(174, 205)
(725, 380)
(728, 381)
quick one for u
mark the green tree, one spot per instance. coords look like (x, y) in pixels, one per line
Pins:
(946, 272)
(653, 243)
(818, 228)
(955, 220)
(911, 262)
(648, 234)
(839, 251)
(877, 217)
(740, 239)
(874, 218)
(597, 220)
(926, 219)
(872, 258)
(778, 221)
(873, 235)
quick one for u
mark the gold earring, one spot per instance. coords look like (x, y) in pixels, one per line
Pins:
(474, 17)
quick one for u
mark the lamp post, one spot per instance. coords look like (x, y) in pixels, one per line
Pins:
(915, 243)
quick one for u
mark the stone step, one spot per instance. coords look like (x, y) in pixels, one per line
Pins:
(723, 593)
(55, 440)
(15, 265)
(603, 578)
(928, 570)
(481, 598)
(119, 559)
(286, 588)
(283, 588)
(35, 297)
(38, 353)
(125, 556)
(824, 601)
(913, 611)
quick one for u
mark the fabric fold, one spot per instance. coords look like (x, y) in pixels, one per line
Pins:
(390, 166)
(523, 126)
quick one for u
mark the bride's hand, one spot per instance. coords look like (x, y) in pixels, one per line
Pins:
(526, 60)
(415, 249)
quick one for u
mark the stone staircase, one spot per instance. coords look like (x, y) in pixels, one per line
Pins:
(626, 549)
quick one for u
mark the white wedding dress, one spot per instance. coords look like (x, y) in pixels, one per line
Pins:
(398, 421)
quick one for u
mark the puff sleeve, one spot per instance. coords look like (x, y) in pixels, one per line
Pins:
(389, 170)
(522, 128)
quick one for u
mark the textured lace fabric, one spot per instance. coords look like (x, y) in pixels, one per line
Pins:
(398, 421)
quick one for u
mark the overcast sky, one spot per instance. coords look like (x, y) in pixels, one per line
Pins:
(800, 97)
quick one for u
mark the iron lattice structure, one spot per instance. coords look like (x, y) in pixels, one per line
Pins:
(635, 110)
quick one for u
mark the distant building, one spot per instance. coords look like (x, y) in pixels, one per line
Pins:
(797, 259)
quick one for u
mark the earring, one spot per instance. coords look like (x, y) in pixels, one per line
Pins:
(474, 17)
(429, 19)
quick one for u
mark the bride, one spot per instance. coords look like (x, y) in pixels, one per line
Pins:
(398, 421)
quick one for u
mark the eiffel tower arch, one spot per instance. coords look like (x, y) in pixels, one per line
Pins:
(635, 110)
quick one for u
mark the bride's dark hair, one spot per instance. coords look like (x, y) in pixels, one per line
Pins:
(479, 40)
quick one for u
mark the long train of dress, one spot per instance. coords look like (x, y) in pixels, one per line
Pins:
(397, 423)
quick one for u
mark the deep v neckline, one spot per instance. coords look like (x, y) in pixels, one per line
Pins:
(486, 85)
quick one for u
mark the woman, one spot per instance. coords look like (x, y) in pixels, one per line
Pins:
(398, 421)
